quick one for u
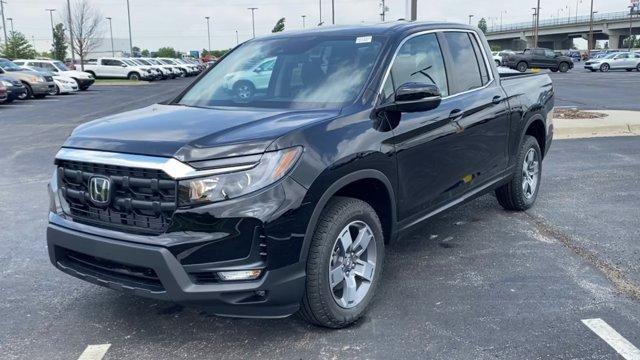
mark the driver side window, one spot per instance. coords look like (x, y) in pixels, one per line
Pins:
(418, 60)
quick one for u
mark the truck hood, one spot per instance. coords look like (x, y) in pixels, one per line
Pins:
(190, 133)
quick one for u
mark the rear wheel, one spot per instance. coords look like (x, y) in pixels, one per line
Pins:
(605, 67)
(522, 66)
(344, 263)
(521, 192)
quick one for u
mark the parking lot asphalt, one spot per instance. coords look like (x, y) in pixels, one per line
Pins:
(614, 90)
(476, 282)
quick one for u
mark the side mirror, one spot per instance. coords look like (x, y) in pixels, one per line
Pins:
(124, 65)
(257, 70)
(415, 97)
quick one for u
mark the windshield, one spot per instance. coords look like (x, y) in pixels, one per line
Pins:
(129, 62)
(167, 61)
(611, 56)
(298, 72)
(143, 62)
(9, 66)
(60, 66)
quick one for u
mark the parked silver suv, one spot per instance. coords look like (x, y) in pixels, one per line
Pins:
(38, 86)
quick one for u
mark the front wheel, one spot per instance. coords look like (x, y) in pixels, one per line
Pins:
(564, 67)
(54, 91)
(605, 67)
(344, 263)
(521, 192)
(134, 76)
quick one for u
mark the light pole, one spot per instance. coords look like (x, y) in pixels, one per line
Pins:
(590, 46)
(113, 51)
(320, 12)
(535, 37)
(502, 12)
(333, 12)
(630, 26)
(470, 17)
(4, 25)
(130, 39)
(11, 21)
(51, 18)
(304, 25)
(558, 15)
(73, 52)
(237, 38)
(253, 19)
(384, 10)
(208, 33)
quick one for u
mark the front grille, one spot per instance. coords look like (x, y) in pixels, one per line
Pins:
(142, 200)
(111, 271)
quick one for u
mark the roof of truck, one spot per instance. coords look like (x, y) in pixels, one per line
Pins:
(385, 28)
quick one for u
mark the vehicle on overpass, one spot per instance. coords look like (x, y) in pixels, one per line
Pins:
(539, 58)
(284, 202)
(615, 61)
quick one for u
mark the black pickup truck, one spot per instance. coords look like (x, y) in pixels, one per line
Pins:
(282, 202)
(538, 58)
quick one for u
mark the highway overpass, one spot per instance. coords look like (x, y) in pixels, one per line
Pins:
(559, 33)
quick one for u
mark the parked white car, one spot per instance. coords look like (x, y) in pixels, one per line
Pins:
(615, 61)
(184, 68)
(173, 69)
(83, 80)
(497, 58)
(163, 72)
(118, 68)
(63, 84)
(245, 83)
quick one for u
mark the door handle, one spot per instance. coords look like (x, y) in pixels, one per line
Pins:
(497, 99)
(455, 115)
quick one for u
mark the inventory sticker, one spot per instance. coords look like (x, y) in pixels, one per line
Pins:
(363, 39)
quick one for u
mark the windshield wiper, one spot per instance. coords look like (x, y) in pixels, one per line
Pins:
(422, 71)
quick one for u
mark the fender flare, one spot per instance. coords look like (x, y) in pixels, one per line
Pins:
(333, 189)
(537, 116)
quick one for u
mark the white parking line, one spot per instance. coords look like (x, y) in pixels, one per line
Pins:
(613, 338)
(94, 352)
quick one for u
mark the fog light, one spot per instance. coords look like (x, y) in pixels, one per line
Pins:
(239, 275)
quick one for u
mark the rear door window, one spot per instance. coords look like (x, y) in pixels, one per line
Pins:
(465, 69)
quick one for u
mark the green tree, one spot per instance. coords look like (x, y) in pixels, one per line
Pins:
(18, 47)
(482, 25)
(167, 52)
(145, 53)
(59, 45)
(279, 26)
(204, 53)
(496, 47)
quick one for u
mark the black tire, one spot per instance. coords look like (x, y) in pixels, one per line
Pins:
(511, 196)
(244, 90)
(29, 93)
(498, 63)
(554, 70)
(183, 73)
(592, 70)
(563, 67)
(629, 69)
(522, 66)
(605, 67)
(55, 90)
(318, 304)
(39, 96)
(638, 67)
(134, 76)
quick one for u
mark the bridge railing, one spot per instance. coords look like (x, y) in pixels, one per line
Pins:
(571, 20)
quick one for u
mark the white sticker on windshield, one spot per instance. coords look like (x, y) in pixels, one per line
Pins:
(363, 39)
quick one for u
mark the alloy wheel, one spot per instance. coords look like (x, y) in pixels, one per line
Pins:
(530, 171)
(352, 265)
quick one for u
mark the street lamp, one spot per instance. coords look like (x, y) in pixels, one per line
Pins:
(537, 27)
(304, 25)
(237, 38)
(113, 51)
(631, 7)
(208, 33)
(333, 12)
(11, 21)
(502, 12)
(130, 39)
(4, 26)
(470, 17)
(590, 46)
(320, 12)
(253, 19)
(51, 18)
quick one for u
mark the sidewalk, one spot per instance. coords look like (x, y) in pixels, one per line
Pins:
(617, 123)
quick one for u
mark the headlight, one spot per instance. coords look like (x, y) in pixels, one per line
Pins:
(6, 83)
(272, 167)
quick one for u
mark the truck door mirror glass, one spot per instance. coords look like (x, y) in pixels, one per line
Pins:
(415, 97)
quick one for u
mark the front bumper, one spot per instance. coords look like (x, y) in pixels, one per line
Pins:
(594, 66)
(14, 92)
(154, 272)
(42, 88)
(85, 83)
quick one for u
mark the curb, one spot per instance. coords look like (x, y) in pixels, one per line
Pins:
(617, 123)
